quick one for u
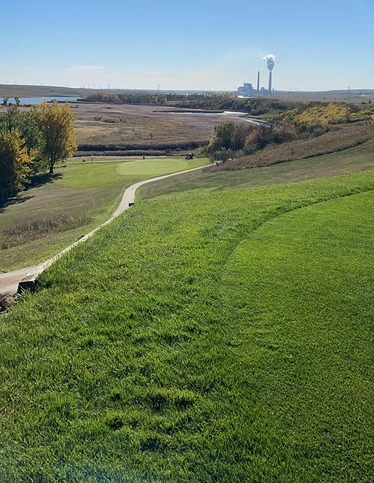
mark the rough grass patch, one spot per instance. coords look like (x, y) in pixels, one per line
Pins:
(26, 231)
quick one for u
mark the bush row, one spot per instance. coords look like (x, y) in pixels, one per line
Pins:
(139, 152)
(142, 147)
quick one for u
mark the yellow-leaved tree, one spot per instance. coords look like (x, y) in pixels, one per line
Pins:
(15, 163)
(57, 125)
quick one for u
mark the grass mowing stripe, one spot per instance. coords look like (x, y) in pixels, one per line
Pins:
(161, 348)
(300, 286)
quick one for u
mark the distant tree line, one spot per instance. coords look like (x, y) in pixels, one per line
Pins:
(217, 102)
(126, 98)
(32, 142)
(160, 146)
(308, 116)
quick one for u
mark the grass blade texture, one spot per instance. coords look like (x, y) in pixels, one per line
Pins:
(203, 336)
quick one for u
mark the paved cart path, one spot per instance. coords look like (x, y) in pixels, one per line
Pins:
(9, 281)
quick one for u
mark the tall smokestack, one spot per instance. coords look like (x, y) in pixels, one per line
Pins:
(270, 60)
(258, 81)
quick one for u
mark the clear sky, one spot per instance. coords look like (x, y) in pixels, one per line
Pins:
(205, 44)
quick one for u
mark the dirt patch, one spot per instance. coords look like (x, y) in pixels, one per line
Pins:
(6, 301)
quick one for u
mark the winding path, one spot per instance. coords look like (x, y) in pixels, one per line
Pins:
(9, 281)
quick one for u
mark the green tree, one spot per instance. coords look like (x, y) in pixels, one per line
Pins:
(15, 161)
(26, 124)
(227, 138)
(223, 136)
(57, 125)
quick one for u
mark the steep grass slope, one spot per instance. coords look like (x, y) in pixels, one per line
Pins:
(205, 336)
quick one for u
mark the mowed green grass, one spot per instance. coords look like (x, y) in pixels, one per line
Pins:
(343, 162)
(203, 336)
(47, 218)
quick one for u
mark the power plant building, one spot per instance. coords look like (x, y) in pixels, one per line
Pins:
(246, 89)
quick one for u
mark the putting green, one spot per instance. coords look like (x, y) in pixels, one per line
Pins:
(152, 167)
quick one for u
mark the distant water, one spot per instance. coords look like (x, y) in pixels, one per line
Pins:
(39, 100)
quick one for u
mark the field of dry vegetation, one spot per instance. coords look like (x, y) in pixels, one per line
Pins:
(124, 127)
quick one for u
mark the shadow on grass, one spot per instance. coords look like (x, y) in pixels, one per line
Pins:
(13, 200)
(43, 178)
(35, 182)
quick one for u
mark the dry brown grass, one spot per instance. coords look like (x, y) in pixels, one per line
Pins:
(100, 123)
(27, 230)
(85, 131)
(337, 140)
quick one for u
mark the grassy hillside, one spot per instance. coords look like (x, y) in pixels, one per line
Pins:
(348, 161)
(58, 210)
(338, 140)
(204, 336)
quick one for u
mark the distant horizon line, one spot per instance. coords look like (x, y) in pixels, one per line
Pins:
(158, 90)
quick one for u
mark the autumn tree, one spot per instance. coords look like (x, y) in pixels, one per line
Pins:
(57, 125)
(222, 136)
(258, 137)
(15, 161)
(26, 124)
(231, 139)
(227, 138)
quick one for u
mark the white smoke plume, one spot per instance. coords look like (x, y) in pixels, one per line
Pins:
(270, 60)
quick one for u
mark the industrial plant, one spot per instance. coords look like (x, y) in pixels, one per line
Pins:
(247, 89)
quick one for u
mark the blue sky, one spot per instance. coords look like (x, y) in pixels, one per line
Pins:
(206, 44)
